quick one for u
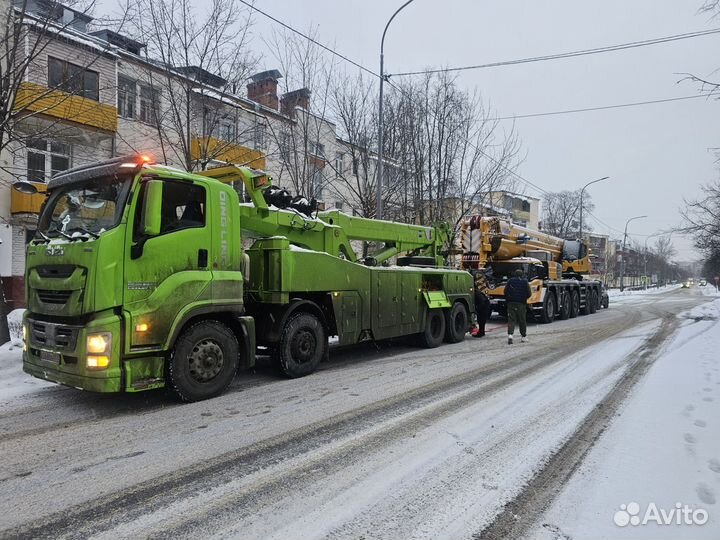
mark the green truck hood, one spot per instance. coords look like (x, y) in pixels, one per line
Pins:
(71, 278)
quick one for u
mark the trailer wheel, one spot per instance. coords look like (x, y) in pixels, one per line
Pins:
(593, 301)
(303, 344)
(456, 323)
(434, 331)
(203, 361)
(585, 310)
(565, 301)
(548, 310)
(574, 304)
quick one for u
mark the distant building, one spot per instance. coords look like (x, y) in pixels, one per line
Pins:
(523, 209)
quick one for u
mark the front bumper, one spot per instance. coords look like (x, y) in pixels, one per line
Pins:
(57, 352)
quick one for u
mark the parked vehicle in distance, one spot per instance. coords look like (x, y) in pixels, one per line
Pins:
(703, 282)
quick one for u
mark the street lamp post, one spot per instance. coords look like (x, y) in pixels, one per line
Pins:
(622, 266)
(582, 191)
(379, 168)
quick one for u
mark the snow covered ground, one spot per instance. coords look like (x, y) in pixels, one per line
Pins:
(617, 295)
(662, 453)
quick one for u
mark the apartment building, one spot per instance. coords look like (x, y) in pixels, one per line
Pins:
(89, 95)
(522, 209)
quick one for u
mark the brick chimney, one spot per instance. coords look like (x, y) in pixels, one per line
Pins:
(296, 98)
(262, 88)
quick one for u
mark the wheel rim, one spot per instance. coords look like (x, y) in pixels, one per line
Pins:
(550, 311)
(206, 360)
(303, 346)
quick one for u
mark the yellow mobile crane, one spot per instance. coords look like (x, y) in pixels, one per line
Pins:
(554, 267)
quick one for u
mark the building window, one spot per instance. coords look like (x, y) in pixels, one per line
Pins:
(260, 131)
(317, 149)
(46, 158)
(339, 205)
(149, 104)
(284, 146)
(355, 166)
(338, 164)
(73, 79)
(126, 97)
(227, 129)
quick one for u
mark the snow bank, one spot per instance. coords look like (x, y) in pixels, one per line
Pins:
(14, 319)
(614, 293)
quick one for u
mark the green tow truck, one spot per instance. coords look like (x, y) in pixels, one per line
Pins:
(137, 279)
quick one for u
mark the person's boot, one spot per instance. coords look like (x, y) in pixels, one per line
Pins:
(524, 339)
(510, 339)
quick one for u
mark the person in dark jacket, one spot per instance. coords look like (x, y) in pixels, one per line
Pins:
(482, 304)
(517, 291)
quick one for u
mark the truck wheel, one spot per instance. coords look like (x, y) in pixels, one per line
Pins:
(303, 344)
(434, 331)
(456, 323)
(565, 300)
(593, 301)
(606, 302)
(548, 311)
(585, 310)
(203, 361)
(574, 304)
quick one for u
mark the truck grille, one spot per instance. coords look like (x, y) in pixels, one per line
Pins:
(60, 271)
(53, 297)
(57, 336)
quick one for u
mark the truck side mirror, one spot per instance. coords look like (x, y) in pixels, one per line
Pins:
(152, 208)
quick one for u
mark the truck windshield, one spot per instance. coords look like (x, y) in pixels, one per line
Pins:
(86, 208)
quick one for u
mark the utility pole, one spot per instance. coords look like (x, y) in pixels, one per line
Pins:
(622, 266)
(379, 170)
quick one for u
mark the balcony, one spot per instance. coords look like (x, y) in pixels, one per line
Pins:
(212, 149)
(67, 107)
(20, 203)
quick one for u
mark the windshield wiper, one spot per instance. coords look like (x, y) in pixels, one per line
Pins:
(83, 229)
(57, 230)
(42, 236)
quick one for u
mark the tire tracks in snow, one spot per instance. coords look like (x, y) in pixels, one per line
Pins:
(520, 513)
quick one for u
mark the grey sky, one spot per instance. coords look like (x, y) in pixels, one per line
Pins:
(655, 154)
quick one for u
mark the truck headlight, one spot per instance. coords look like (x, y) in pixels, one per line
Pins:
(99, 346)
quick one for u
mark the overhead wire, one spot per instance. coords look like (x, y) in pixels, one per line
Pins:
(570, 54)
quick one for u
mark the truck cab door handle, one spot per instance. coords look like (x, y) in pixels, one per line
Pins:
(202, 258)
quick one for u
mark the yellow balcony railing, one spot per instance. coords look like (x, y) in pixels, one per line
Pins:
(71, 108)
(20, 203)
(210, 148)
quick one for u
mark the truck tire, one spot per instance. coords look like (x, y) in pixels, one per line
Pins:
(416, 261)
(585, 310)
(457, 323)
(303, 344)
(203, 361)
(606, 302)
(565, 301)
(593, 301)
(548, 310)
(574, 304)
(434, 331)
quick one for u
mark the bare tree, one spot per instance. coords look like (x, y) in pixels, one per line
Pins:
(197, 60)
(561, 213)
(450, 153)
(303, 137)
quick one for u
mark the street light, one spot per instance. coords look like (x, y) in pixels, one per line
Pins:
(622, 267)
(581, 198)
(379, 211)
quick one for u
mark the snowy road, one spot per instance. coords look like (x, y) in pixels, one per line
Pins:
(472, 440)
